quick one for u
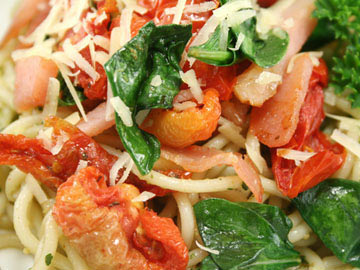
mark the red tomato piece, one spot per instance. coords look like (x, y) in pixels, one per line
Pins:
(292, 179)
(220, 78)
(93, 216)
(266, 3)
(173, 251)
(30, 156)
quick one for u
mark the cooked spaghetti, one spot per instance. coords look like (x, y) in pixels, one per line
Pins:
(178, 135)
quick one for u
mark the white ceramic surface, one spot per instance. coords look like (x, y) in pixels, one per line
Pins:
(11, 259)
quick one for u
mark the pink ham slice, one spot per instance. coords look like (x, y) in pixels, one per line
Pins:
(275, 122)
(96, 123)
(199, 159)
(26, 12)
(31, 82)
(246, 89)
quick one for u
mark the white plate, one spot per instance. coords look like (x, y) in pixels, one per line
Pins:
(11, 259)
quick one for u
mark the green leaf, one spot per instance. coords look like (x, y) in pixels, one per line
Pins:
(322, 35)
(66, 98)
(154, 51)
(209, 264)
(332, 210)
(343, 20)
(48, 259)
(211, 53)
(247, 235)
(265, 52)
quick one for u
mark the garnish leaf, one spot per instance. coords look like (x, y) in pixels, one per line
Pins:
(66, 98)
(211, 53)
(344, 21)
(153, 52)
(229, 228)
(332, 210)
(264, 51)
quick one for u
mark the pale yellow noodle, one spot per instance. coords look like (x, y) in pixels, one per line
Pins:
(187, 217)
(196, 256)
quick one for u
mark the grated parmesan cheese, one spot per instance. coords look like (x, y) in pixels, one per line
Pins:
(82, 164)
(73, 118)
(231, 7)
(267, 77)
(314, 56)
(61, 57)
(190, 79)
(101, 41)
(195, 8)
(156, 81)
(64, 70)
(144, 196)
(124, 160)
(224, 35)
(349, 143)
(61, 140)
(101, 57)
(125, 27)
(295, 155)
(212, 251)
(122, 110)
(101, 18)
(184, 106)
(52, 97)
(133, 4)
(80, 61)
(180, 6)
(241, 16)
(239, 41)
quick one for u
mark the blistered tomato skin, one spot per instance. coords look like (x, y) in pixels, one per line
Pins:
(181, 129)
(103, 224)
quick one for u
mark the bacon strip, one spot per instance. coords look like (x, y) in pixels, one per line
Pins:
(246, 89)
(199, 159)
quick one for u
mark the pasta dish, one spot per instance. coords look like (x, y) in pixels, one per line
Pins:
(181, 134)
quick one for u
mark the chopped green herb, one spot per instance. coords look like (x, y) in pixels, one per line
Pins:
(48, 259)
(342, 17)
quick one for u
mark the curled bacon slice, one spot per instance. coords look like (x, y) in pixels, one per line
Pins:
(198, 159)
(246, 87)
(275, 122)
(113, 233)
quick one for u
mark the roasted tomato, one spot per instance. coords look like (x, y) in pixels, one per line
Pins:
(110, 231)
(31, 156)
(181, 129)
(266, 3)
(292, 179)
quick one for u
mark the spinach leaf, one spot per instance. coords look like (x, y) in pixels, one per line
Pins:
(247, 235)
(154, 51)
(209, 264)
(66, 98)
(332, 210)
(211, 53)
(265, 52)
